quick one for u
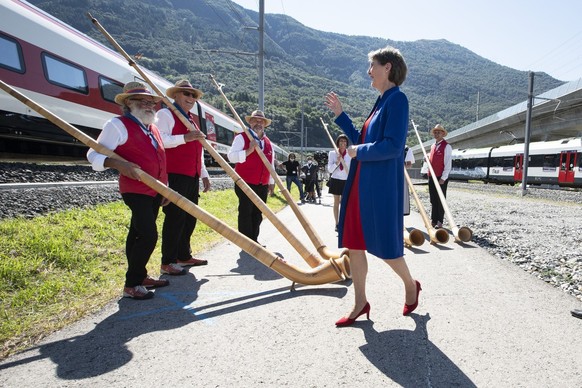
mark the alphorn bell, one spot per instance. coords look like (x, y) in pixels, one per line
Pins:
(310, 257)
(463, 234)
(413, 238)
(323, 250)
(330, 271)
(436, 235)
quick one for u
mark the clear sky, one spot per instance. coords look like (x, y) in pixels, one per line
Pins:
(537, 35)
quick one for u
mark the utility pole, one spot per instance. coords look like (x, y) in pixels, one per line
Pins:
(302, 133)
(478, 101)
(262, 55)
(530, 98)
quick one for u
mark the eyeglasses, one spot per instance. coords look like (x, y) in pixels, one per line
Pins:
(144, 102)
(188, 94)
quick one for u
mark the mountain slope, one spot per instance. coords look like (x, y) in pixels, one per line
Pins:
(301, 64)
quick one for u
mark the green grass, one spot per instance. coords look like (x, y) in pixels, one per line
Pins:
(57, 268)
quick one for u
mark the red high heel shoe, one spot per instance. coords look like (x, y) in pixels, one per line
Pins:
(347, 321)
(408, 308)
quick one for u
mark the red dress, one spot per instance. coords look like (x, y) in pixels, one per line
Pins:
(353, 236)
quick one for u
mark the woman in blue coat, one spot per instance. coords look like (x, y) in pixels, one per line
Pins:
(371, 216)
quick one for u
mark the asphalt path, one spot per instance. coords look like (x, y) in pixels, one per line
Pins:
(236, 323)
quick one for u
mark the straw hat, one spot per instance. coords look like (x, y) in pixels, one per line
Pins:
(183, 85)
(134, 88)
(258, 115)
(439, 127)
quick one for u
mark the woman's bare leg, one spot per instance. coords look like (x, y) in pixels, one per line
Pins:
(359, 266)
(336, 204)
(399, 266)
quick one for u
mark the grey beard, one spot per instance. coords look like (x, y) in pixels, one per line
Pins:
(145, 116)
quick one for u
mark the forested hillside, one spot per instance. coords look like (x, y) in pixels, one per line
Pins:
(301, 64)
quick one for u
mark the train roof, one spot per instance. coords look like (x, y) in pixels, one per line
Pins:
(49, 33)
(535, 148)
(542, 147)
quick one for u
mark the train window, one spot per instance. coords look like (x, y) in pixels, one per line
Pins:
(11, 54)
(551, 162)
(536, 161)
(65, 74)
(109, 88)
(502, 161)
(223, 135)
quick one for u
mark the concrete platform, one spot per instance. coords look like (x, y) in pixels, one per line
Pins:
(235, 323)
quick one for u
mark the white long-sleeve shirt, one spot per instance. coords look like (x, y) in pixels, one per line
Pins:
(448, 161)
(333, 166)
(409, 157)
(165, 123)
(113, 135)
(237, 153)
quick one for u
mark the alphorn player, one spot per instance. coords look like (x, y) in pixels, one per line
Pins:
(440, 159)
(251, 169)
(135, 138)
(371, 212)
(185, 164)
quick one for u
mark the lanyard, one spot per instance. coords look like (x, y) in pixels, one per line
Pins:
(256, 138)
(144, 129)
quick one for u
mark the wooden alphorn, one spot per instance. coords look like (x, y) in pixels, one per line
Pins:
(310, 257)
(463, 233)
(328, 272)
(323, 250)
(436, 235)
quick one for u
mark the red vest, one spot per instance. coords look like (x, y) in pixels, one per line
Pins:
(139, 149)
(186, 158)
(253, 171)
(437, 158)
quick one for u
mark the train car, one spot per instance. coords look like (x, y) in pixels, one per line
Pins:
(551, 162)
(76, 78)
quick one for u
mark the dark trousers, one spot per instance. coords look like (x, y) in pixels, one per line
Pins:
(249, 216)
(294, 179)
(178, 224)
(438, 211)
(142, 237)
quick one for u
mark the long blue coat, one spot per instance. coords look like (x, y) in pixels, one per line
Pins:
(381, 160)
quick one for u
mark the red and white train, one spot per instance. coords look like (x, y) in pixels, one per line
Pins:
(76, 78)
(550, 162)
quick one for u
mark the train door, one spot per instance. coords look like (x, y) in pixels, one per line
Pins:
(518, 168)
(567, 165)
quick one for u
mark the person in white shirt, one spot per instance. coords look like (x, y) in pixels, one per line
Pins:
(185, 165)
(134, 137)
(339, 173)
(441, 162)
(251, 169)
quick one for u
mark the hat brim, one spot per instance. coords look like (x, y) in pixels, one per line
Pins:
(171, 92)
(266, 120)
(438, 129)
(121, 97)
